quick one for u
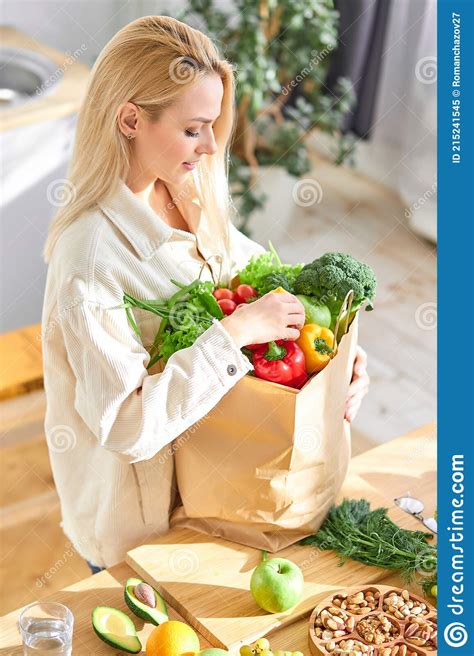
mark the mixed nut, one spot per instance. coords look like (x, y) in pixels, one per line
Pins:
(402, 606)
(350, 647)
(359, 603)
(333, 622)
(397, 650)
(422, 633)
(375, 622)
(377, 629)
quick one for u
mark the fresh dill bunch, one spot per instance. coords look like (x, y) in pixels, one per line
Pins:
(354, 531)
(428, 584)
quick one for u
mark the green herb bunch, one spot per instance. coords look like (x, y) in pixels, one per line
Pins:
(371, 537)
(184, 317)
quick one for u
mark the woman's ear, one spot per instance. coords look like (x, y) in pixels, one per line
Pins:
(127, 118)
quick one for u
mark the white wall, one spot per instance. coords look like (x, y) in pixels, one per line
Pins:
(401, 152)
(68, 25)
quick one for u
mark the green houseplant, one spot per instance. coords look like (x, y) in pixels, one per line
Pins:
(281, 51)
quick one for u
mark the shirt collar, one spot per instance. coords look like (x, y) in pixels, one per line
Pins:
(141, 225)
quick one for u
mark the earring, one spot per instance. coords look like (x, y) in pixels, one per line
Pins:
(130, 136)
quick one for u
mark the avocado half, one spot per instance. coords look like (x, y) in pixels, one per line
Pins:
(116, 629)
(156, 615)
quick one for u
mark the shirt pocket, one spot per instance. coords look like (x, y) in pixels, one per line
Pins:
(144, 496)
(154, 480)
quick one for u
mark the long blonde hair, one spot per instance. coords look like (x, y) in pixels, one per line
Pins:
(149, 62)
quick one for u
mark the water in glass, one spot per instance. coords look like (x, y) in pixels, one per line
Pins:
(47, 637)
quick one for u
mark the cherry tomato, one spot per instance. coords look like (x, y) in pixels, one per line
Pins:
(226, 305)
(244, 293)
(223, 293)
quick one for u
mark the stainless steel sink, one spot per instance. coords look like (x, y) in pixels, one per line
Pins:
(25, 76)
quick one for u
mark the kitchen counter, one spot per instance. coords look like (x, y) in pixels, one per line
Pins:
(22, 368)
(64, 100)
(405, 464)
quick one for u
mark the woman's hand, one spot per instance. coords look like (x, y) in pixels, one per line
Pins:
(271, 317)
(359, 385)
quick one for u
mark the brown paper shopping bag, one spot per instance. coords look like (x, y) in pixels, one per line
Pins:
(264, 466)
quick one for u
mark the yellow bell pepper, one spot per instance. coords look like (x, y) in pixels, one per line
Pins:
(278, 290)
(317, 344)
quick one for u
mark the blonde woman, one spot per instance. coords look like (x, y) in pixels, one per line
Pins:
(149, 202)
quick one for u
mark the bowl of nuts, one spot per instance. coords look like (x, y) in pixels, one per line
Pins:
(376, 620)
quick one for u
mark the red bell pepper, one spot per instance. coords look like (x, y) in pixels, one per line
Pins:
(282, 363)
(262, 345)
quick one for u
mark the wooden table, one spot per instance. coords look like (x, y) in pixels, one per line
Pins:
(406, 464)
(21, 361)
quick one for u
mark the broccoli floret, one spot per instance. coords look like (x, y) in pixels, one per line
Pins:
(272, 281)
(291, 271)
(332, 276)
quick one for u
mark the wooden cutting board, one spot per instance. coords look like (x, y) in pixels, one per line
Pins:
(102, 589)
(207, 579)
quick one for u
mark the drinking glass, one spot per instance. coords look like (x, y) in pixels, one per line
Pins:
(46, 629)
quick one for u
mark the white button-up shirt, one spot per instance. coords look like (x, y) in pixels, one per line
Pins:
(110, 423)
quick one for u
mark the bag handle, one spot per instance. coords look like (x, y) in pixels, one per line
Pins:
(345, 307)
(206, 261)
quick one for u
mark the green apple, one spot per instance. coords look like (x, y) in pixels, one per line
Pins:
(276, 584)
(213, 651)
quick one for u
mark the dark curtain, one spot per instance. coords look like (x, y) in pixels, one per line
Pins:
(359, 57)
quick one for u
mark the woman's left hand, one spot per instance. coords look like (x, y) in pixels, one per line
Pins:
(359, 385)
